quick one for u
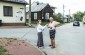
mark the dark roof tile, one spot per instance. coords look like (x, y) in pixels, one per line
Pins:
(16, 1)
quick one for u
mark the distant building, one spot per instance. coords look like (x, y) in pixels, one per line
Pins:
(68, 19)
(84, 19)
(12, 12)
(40, 11)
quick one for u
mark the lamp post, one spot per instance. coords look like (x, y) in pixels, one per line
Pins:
(29, 12)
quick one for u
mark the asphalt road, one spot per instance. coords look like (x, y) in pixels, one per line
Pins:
(69, 40)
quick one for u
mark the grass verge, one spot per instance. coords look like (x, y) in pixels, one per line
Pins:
(3, 51)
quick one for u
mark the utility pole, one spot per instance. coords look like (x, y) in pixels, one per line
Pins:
(29, 12)
(63, 11)
(69, 15)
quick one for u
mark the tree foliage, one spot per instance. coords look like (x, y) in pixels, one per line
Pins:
(58, 17)
(78, 15)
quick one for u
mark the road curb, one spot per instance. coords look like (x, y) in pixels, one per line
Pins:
(36, 47)
(31, 43)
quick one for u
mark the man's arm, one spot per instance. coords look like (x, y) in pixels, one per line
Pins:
(57, 24)
(49, 26)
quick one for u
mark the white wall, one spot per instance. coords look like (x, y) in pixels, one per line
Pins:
(16, 16)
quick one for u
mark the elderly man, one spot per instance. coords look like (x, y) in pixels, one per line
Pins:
(52, 30)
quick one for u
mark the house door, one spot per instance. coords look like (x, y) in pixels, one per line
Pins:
(46, 16)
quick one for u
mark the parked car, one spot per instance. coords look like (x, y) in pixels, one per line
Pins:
(76, 23)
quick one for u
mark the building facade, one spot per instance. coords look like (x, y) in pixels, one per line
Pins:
(40, 11)
(12, 12)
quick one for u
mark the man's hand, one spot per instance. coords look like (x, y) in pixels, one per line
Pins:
(50, 27)
(46, 25)
(57, 24)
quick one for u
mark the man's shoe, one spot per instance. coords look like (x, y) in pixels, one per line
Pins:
(50, 45)
(53, 47)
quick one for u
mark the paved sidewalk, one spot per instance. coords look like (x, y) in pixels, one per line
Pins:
(6, 27)
(17, 47)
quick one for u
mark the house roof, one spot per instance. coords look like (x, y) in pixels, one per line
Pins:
(16, 1)
(37, 7)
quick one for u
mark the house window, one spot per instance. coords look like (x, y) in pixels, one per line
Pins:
(46, 15)
(35, 16)
(8, 11)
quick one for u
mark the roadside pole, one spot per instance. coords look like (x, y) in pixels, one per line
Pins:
(29, 12)
(69, 16)
(63, 11)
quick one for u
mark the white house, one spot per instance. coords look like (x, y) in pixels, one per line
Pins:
(12, 12)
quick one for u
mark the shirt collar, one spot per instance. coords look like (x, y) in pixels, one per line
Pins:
(51, 22)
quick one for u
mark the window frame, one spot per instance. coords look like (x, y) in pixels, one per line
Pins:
(35, 16)
(9, 10)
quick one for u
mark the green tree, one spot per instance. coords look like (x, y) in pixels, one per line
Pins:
(78, 15)
(58, 17)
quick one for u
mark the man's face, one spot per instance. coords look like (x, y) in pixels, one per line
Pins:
(51, 20)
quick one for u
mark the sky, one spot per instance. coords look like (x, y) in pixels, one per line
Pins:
(73, 5)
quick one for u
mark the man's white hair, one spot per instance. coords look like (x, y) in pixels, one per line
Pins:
(51, 17)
